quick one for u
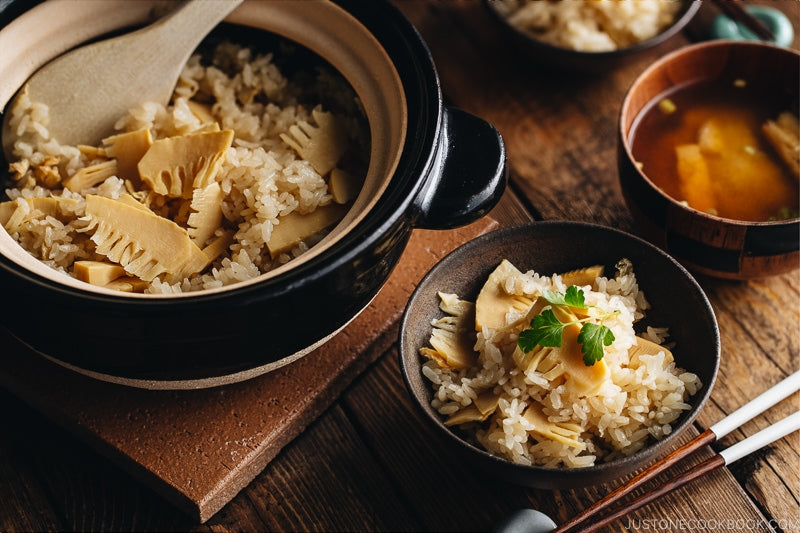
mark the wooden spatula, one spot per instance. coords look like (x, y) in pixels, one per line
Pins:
(89, 88)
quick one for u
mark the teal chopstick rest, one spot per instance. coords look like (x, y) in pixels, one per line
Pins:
(723, 27)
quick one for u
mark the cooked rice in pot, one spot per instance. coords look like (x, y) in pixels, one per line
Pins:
(640, 400)
(261, 177)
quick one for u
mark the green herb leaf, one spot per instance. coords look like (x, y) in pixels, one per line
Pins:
(545, 331)
(572, 298)
(592, 339)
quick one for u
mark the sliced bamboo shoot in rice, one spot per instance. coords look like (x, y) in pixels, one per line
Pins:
(133, 202)
(482, 407)
(91, 176)
(647, 347)
(14, 212)
(494, 302)
(146, 245)
(563, 432)
(218, 246)
(92, 152)
(295, 227)
(323, 145)
(582, 276)
(207, 213)
(175, 166)
(582, 379)
(533, 360)
(128, 284)
(453, 338)
(128, 149)
(201, 111)
(98, 272)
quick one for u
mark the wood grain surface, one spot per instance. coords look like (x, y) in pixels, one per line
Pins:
(368, 463)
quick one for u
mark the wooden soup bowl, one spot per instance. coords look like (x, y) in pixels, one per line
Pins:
(702, 242)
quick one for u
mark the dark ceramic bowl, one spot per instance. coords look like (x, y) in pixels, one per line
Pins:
(677, 302)
(431, 166)
(566, 59)
(705, 243)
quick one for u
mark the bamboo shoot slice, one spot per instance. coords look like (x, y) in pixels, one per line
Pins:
(218, 246)
(12, 214)
(494, 302)
(91, 176)
(97, 272)
(201, 111)
(295, 227)
(784, 136)
(322, 145)
(647, 347)
(484, 406)
(582, 276)
(128, 199)
(453, 337)
(206, 217)
(145, 244)
(128, 149)
(175, 166)
(562, 432)
(128, 284)
(582, 379)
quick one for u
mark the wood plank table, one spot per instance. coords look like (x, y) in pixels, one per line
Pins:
(362, 459)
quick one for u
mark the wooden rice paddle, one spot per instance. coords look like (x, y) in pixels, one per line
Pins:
(91, 87)
(767, 399)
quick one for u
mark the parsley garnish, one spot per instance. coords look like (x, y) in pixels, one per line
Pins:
(546, 329)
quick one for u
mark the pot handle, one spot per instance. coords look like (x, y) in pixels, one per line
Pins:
(470, 173)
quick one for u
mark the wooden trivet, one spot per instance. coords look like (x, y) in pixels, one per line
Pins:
(199, 448)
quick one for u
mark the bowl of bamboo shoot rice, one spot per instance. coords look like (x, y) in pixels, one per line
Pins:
(558, 354)
(590, 37)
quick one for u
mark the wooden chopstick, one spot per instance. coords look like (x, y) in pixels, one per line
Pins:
(761, 403)
(734, 9)
(727, 456)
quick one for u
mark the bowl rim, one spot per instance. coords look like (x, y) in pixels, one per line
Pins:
(688, 11)
(624, 134)
(571, 475)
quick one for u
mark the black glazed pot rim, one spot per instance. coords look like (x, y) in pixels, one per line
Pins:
(414, 64)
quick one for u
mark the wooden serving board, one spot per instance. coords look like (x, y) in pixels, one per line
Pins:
(199, 448)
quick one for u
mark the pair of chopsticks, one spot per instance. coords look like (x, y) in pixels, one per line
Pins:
(735, 10)
(763, 438)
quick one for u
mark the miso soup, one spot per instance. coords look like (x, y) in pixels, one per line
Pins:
(722, 148)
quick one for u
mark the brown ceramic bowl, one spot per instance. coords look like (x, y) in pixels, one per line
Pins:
(677, 302)
(565, 59)
(705, 243)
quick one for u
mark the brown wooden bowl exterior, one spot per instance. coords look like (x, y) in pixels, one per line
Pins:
(705, 243)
